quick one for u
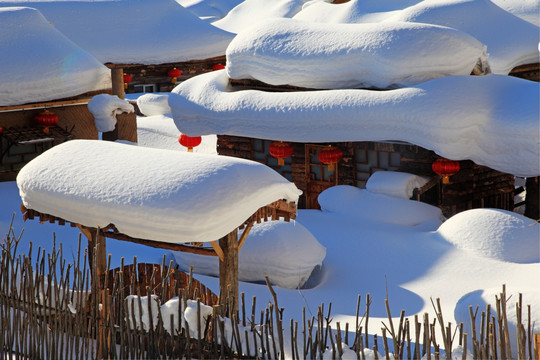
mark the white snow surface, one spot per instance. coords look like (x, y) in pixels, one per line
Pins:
(84, 181)
(132, 31)
(105, 107)
(496, 234)
(509, 45)
(491, 120)
(395, 183)
(338, 56)
(209, 10)
(251, 12)
(528, 10)
(137, 310)
(40, 64)
(154, 104)
(286, 252)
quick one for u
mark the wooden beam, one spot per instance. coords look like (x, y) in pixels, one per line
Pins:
(245, 234)
(228, 273)
(218, 250)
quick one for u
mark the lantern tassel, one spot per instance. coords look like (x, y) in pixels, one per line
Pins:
(281, 161)
(446, 179)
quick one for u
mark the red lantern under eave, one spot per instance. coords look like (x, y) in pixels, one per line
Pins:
(127, 80)
(217, 67)
(281, 150)
(174, 73)
(189, 141)
(330, 156)
(445, 168)
(46, 119)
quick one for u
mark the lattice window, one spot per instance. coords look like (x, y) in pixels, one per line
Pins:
(368, 161)
(260, 152)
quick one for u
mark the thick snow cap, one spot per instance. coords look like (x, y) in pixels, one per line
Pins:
(339, 56)
(133, 31)
(152, 194)
(491, 120)
(40, 64)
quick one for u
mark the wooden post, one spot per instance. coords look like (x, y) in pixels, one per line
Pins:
(117, 79)
(228, 272)
(537, 346)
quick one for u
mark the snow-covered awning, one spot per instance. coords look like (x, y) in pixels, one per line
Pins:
(39, 63)
(347, 56)
(133, 31)
(491, 120)
(152, 194)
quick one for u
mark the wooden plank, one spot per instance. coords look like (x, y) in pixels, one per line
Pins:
(537, 346)
(218, 250)
(228, 273)
(245, 235)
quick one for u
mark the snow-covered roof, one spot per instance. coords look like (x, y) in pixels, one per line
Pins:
(146, 193)
(510, 40)
(380, 55)
(39, 63)
(133, 31)
(492, 119)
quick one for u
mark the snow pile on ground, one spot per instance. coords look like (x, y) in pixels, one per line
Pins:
(39, 63)
(251, 12)
(491, 120)
(395, 183)
(148, 193)
(105, 107)
(132, 31)
(209, 10)
(510, 41)
(137, 312)
(352, 202)
(341, 56)
(483, 297)
(160, 132)
(286, 252)
(494, 233)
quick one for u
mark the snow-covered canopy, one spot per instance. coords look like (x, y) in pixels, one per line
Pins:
(526, 9)
(146, 193)
(339, 56)
(209, 10)
(491, 120)
(133, 31)
(40, 64)
(510, 40)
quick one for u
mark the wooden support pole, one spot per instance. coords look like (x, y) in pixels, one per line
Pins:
(537, 346)
(228, 273)
(117, 79)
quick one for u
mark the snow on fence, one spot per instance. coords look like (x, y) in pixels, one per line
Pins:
(47, 310)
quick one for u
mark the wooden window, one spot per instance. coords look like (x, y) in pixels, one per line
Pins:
(261, 153)
(144, 88)
(368, 161)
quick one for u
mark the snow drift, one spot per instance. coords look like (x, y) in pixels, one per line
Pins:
(148, 193)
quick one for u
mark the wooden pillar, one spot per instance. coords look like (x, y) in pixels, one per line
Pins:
(228, 273)
(537, 346)
(117, 79)
(532, 198)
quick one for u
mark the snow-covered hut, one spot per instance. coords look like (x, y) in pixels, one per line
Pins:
(44, 75)
(392, 95)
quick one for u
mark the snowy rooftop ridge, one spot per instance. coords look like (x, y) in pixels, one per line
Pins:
(40, 64)
(491, 120)
(133, 31)
(153, 194)
(347, 56)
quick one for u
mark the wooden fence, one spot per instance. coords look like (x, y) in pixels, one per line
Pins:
(48, 310)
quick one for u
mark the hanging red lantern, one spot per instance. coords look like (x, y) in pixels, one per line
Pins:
(281, 150)
(46, 119)
(127, 80)
(174, 73)
(217, 67)
(445, 168)
(330, 156)
(189, 141)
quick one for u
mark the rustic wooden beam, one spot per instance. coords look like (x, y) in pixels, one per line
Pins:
(218, 250)
(245, 234)
(228, 273)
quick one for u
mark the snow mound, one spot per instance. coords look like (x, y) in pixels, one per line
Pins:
(286, 252)
(483, 297)
(494, 233)
(137, 311)
(491, 120)
(105, 107)
(353, 202)
(339, 56)
(154, 104)
(63, 69)
(394, 183)
(146, 193)
(526, 9)
(133, 31)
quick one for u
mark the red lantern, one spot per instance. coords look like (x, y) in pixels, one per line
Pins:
(174, 73)
(445, 168)
(330, 156)
(46, 119)
(1, 130)
(189, 142)
(281, 150)
(217, 67)
(127, 80)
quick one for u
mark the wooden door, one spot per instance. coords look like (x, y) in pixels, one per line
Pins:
(318, 177)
